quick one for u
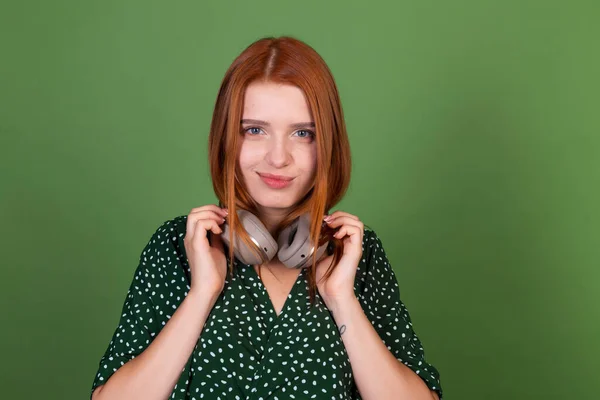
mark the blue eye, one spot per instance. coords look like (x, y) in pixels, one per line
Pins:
(307, 133)
(253, 131)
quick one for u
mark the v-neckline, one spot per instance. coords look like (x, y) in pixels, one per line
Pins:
(265, 294)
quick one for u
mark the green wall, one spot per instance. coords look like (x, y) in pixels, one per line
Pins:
(474, 128)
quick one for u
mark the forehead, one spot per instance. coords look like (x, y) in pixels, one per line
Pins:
(274, 102)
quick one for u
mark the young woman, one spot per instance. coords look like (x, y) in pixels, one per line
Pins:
(198, 322)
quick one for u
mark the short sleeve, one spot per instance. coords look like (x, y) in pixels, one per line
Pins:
(379, 294)
(143, 313)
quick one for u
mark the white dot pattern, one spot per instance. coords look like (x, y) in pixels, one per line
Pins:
(245, 350)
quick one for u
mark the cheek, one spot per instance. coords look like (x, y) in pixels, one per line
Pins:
(308, 159)
(249, 156)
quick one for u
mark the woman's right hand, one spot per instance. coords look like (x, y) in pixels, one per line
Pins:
(207, 262)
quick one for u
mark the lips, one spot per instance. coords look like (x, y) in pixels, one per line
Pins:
(276, 181)
(276, 177)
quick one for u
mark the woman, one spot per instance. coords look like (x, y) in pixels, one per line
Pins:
(199, 323)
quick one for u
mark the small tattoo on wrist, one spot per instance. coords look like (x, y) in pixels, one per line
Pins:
(342, 329)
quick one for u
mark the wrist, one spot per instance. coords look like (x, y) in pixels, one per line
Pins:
(201, 296)
(336, 304)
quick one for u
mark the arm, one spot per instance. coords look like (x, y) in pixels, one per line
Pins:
(377, 373)
(386, 355)
(154, 373)
(163, 315)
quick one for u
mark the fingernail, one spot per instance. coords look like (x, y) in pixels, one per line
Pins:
(327, 218)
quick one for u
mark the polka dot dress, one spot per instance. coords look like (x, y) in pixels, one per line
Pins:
(246, 351)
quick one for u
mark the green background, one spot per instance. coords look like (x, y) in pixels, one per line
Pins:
(474, 129)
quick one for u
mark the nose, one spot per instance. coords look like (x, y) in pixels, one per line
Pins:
(278, 154)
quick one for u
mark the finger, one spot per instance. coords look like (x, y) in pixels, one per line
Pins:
(201, 228)
(348, 230)
(209, 207)
(344, 220)
(338, 213)
(207, 214)
(199, 215)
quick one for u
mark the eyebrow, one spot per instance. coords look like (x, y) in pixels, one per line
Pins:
(298, 125)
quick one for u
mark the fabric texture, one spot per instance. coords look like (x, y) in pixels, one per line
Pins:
(247, 351)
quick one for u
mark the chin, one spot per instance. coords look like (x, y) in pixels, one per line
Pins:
(275, 200)
(274, 204)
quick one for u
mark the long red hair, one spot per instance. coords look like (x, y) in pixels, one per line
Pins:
(289, 61)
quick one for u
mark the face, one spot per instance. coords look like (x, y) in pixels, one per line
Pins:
(278, 152)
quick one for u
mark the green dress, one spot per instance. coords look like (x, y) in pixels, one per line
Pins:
(247, 351)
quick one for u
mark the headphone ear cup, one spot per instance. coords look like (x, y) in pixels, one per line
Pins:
(258, 233)
(295, 247)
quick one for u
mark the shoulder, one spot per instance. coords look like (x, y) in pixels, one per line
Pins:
(372, 245)
(175, 225)
(162, 277)
(374, 269)
(165, 250)
(169, 234)
(376, 285)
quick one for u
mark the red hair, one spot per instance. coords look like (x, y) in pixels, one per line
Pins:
(289, 61)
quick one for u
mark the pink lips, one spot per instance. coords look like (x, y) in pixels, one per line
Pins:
(276, 181)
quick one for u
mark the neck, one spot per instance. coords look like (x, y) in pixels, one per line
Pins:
(272, 217)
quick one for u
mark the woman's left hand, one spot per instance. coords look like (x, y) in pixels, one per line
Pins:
(339, 286)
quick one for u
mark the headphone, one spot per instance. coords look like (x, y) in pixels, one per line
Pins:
(293, 246)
